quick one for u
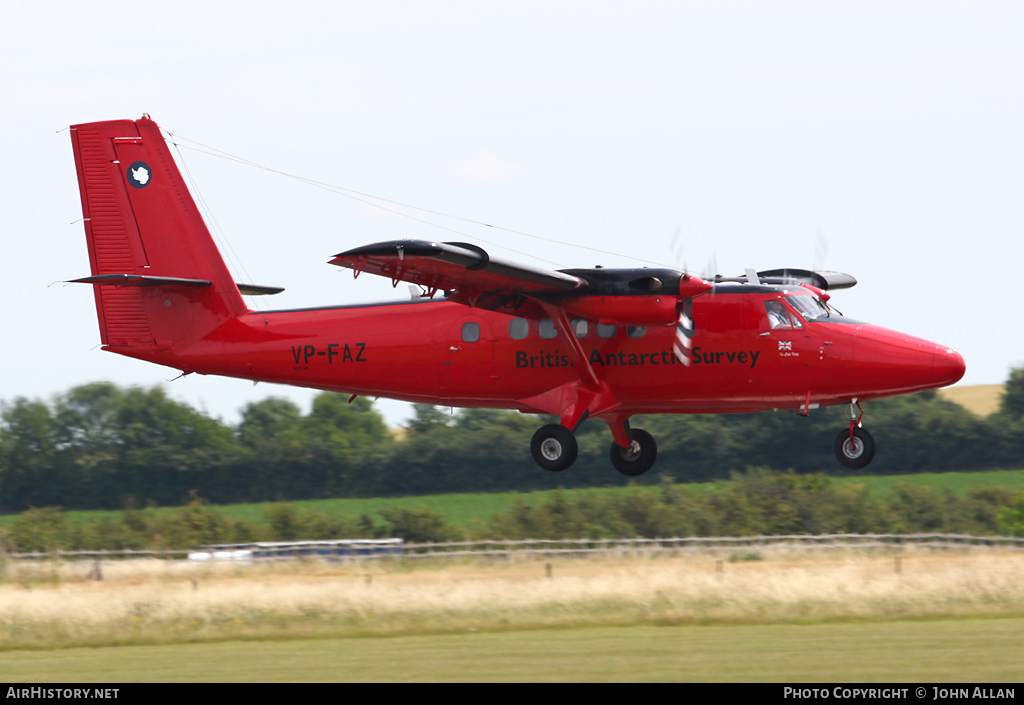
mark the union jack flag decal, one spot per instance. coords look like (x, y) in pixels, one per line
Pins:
(785, 345)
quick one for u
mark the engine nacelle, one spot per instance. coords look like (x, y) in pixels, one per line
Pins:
(656, 306)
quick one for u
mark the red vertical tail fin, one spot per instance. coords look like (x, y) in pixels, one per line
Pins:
(141, 221)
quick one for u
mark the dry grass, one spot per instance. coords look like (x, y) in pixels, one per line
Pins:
(980, 399)
(151, 602)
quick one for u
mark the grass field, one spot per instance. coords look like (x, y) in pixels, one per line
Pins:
(151, 602)
(463, 510)
(981, 650)
(958, 482)
(980, 399)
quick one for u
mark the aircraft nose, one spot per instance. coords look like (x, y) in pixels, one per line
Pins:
(947, 366)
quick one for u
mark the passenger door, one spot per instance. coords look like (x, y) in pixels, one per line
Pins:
(467, 369)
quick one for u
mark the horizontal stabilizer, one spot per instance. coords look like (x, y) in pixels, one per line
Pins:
(254, 290)
(140, 280)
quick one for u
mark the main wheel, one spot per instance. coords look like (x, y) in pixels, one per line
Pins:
(638, 457)
(855, 452)
(554, 447)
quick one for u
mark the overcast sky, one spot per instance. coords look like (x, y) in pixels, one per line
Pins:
(893, 128)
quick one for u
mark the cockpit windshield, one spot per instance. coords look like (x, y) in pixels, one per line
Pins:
(809, 306)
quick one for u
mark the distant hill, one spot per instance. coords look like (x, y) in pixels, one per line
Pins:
(981, 399)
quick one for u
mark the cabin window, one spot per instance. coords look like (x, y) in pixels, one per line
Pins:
(778, 316)
(547, 329)
(518, 328)
(604, 331)
(636, 331)
(470, 332)
(580, 327)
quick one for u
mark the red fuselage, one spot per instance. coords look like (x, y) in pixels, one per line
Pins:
(415, 351)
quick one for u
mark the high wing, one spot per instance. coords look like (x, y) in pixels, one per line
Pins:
(473, 276)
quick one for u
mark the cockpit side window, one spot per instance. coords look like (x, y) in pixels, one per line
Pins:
(778, 316)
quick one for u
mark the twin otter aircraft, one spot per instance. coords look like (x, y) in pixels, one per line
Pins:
(576, 343)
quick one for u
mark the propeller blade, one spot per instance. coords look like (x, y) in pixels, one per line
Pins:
(677, 248)
(684, 334)
(820, 250)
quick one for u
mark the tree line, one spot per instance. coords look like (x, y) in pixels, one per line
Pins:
(757, 502)
(101, 446)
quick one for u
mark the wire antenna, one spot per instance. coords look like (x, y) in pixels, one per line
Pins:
(362, 196)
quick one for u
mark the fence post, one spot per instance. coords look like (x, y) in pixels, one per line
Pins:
(97, 572)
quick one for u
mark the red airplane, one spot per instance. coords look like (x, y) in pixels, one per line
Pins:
(486, 332)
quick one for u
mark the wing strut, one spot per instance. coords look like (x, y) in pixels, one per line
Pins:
(579, 357)
(586, 397)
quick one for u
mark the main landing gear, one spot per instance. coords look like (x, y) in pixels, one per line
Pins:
(855, 447)
(636, 458)
(554, 448)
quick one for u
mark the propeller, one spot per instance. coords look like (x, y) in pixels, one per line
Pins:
(685, 327)
(820, 250)
(710, 270)
(677, 248)
(684, 333)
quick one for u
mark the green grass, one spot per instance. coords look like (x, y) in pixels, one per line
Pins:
(463, 509)
(979, 650)
(958, 482)
(458, 509)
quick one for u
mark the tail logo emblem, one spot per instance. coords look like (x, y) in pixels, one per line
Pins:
(139, 174)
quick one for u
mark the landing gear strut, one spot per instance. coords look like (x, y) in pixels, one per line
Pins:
(636, 458)
(855, 447)
(554, 447)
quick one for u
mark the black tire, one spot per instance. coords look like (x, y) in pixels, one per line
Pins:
(637, 459)
(554, 447)
(857, 452)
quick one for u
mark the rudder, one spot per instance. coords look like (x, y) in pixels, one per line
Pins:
(141, 221)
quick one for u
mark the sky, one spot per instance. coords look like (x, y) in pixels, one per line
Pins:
(893, 129)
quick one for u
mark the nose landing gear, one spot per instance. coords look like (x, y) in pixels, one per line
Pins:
(855, 447)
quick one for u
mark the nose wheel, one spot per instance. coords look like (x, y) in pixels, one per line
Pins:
(857, 450)
(855, 447)
(554, 447)
(636, 458)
